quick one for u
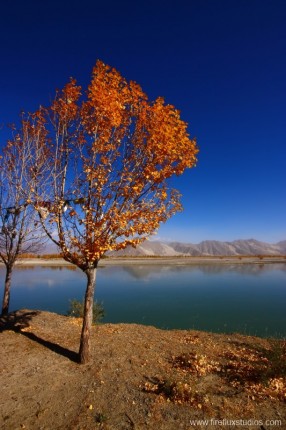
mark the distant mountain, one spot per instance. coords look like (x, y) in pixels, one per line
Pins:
(147, 248)
(205, 248)
(282, 246)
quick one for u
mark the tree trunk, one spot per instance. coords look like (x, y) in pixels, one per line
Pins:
(85, 343)
(7, 286)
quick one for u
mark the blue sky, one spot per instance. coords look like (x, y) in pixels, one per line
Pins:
(221, 63)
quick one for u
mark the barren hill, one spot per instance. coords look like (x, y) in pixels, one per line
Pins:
(205, 248)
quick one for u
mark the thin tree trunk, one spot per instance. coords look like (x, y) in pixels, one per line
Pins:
(85, 342)
(7, 286)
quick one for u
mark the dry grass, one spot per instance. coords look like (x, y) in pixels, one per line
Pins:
(140, 378)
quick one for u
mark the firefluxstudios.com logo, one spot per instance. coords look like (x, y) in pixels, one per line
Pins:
(235, 422)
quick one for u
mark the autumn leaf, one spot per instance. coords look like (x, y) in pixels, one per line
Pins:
(101, 159)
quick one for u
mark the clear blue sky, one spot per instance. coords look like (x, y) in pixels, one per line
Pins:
(222, 63)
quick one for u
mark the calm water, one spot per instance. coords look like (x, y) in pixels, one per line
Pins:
(242, 298)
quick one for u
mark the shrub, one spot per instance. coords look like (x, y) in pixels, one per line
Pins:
(76, 310)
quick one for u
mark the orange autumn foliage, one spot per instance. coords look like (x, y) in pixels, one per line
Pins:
(103, 161)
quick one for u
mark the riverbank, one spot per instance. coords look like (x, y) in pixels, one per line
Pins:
(140, 377)
(160, 260)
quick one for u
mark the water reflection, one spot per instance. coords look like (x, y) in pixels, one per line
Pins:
(138, 271)
(248, 298)
(143, 271)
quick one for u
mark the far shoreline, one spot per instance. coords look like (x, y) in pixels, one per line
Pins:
(160, 260)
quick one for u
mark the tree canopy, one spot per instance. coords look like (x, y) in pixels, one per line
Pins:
(102, 162)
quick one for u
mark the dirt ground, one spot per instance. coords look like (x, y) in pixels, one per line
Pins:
(140, 377)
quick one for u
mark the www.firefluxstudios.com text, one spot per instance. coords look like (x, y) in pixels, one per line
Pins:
(236, 422)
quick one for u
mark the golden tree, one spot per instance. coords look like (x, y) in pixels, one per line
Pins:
(100, 182)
